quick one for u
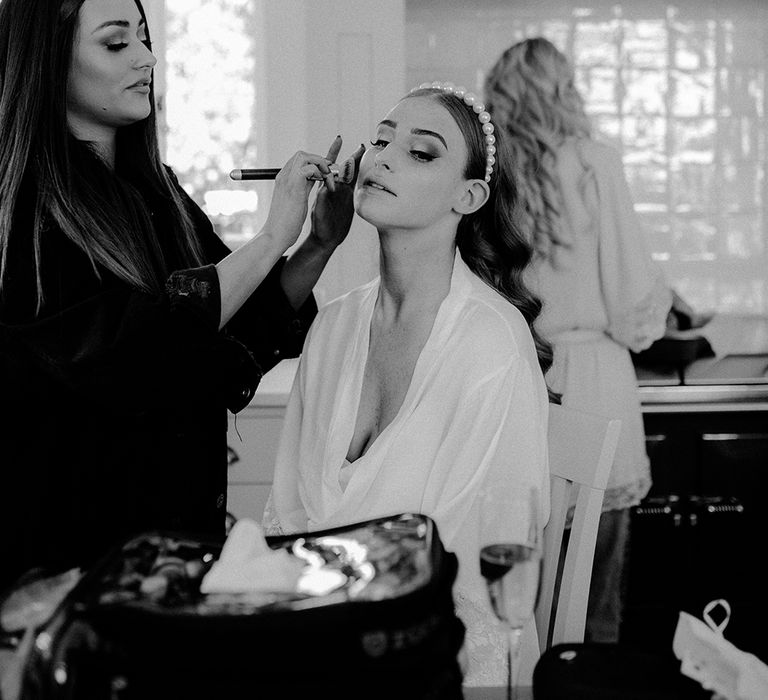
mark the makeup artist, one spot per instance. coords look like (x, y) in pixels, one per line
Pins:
(127, 327)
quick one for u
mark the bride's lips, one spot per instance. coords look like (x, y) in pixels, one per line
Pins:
(377, 186)
(141, 85)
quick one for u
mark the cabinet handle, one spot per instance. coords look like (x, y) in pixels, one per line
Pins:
(715, 437)
(232, 456)
(726, 508)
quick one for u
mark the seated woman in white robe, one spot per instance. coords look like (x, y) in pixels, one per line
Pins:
(424, 389)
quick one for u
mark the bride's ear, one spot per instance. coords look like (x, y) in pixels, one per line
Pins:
(474, 195)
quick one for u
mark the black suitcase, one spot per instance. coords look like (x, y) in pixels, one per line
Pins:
(397, 636)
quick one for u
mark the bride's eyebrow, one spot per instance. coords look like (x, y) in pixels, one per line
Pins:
(427, 132)
(416, 132)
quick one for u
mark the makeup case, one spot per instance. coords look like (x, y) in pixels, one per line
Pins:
(137, 626)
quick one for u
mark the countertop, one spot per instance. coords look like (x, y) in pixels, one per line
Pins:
(733, 378)
(523, 693)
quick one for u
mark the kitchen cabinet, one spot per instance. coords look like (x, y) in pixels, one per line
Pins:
(252, 438)
(700, 533)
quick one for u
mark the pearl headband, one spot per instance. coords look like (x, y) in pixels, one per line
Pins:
(471, 100)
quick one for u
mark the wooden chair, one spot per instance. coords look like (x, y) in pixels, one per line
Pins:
(581, 451)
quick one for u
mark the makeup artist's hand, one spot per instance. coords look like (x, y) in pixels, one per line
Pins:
(333, 209)
(289, 205)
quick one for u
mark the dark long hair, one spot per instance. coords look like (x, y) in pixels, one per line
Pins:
(490, 240)
(99, 210)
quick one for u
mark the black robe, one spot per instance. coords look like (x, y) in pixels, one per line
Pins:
(113, 401)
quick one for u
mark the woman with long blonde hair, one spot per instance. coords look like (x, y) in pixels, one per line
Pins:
(602, 294)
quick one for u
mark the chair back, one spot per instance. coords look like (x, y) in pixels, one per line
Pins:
(581, 451)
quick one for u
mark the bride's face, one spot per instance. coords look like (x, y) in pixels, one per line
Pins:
(413, 176)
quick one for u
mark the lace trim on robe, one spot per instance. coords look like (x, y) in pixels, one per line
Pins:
(270, 521)
(626, 495)
(485, 643)
(620, 498)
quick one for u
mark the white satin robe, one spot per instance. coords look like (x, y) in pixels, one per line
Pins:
(474, 419)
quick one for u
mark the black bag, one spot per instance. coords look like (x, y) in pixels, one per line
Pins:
(121, 635)
(595, 671)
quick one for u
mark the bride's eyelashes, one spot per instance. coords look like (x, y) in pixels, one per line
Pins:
(417, 154)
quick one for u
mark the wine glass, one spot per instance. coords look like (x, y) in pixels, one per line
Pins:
(510, 562)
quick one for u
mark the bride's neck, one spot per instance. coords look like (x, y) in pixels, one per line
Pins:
(414, 277)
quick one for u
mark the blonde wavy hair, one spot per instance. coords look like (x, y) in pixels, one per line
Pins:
(530, 93)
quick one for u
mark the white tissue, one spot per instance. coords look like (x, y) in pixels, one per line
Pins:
(248, 565)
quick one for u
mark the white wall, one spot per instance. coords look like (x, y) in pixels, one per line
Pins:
(331, 67)
(326, 67)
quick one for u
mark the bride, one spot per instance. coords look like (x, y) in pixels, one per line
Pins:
(424, 389)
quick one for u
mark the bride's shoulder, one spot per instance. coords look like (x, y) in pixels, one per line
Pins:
(497, 325)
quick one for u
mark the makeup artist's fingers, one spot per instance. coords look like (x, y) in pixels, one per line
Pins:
(333, 154)
(335, 149)
(329, 178)
(307, 164)
(311, 159)
(320, 172)
(348, 170)
(290, 196)
(313, 172)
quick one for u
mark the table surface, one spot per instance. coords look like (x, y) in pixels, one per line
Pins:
(523, 693)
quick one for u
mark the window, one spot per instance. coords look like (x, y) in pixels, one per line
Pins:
(211, 110)
(678, 88)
